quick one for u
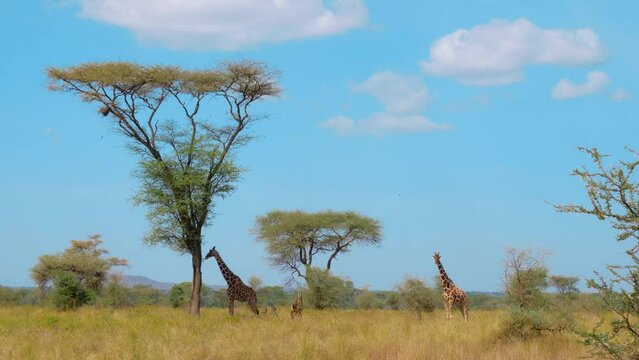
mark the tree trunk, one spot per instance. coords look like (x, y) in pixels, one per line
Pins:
(196, 284)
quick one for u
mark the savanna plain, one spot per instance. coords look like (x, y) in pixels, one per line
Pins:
(155, 332)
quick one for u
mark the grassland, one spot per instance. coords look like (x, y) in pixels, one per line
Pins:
(163, 333)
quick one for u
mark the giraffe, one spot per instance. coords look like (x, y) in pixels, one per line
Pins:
(453, 296)
(236, 290)
(298, 305)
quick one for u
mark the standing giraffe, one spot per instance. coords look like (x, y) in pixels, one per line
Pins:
(236, 290)
(453, 296)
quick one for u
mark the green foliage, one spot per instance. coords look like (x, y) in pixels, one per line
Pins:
(18, 296)
(613, 192)
(416, 296)
(486, 301)
(172, 192)
(273, 296)
(367, 300)
(115, 295)
(525, 278)
(393, 300)
(69, 293)
(566, 287)
(525, 323)
(328, 291)
(176, 296)
(145, 295)
(84, 259)
(532, 312)
(9, 296)
(295, 238)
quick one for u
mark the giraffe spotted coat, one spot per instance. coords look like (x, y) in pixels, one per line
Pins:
(236, 290)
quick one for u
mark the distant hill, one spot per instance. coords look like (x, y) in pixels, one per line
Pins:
(132, 280)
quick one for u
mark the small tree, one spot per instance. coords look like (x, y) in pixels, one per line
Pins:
(84, 259)
(185, 158)
(525, 278)
(416, 296)
(295, 239)
(613, 192)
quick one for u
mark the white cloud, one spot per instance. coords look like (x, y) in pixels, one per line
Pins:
(566, 89)
(403, 98)
(496, 53)
(382, 123)
(341, 124)
(227, 24)
(398, 93)
(620, 95)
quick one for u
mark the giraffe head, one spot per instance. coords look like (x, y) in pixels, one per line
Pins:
(212, 252)
(437, 257)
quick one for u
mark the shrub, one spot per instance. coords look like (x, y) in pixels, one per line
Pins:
(525, 324)
(416, 296)
(69, 293)
(367, 300)
(116, 295)
(176, 296)
(8, 296)
(328, 291)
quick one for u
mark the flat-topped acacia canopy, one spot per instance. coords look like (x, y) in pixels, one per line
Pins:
(248, 77)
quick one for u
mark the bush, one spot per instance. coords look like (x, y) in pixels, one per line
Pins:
(68, 292)
(176, 296)
(116, 295)
(8, 296)
(145, 295)
(272, 296)
(328, 291)
(525, 324)
(367, 300)
(393, 301)
(416, 296)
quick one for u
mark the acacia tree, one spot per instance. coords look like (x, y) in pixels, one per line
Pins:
(84, 260)
(295, 239)
(566, 286)
(613, 191)
(185, 161)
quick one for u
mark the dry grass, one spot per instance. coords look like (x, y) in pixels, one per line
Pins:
(163, 333)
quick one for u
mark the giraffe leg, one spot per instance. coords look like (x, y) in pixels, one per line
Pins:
(465, 311)
(252, 304)
(231, 307)
(448, 310)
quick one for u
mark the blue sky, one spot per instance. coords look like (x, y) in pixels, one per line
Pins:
(453, 123)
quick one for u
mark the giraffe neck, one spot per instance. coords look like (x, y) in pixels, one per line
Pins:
(226, 272)
(447, 283)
